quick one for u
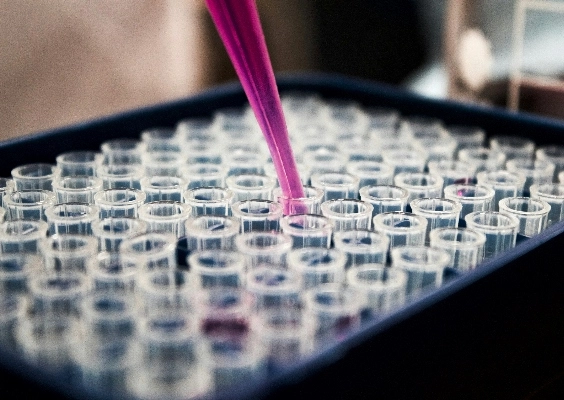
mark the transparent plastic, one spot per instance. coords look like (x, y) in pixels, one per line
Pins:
(76, 189)
(114, 273)
(405, 160)
(257, 215)
(504, 183)
(453, 172)
(537, 171)
(151, 250)
(483, 159)
(120, 176)
(513, 147)
(554, 154)
(208, 232)
(465, 246)
(15, 271)
(336, 185)
(371, 172)
(531, 213)
(78, 163)
(264, 248)
(316, 266)
(165, 216)
(419, 184)
(500, 230)
(472, 197)
(28, 204)
(362, 247)
(307, 230)
(553, 194)
(6, 186)
(403, 229)
(119, 203)
(34, 176)
(71, 218)
(165, 290)
(250, 187)
(122, 152)
(204, 175)
(383, 289)
(209, 200)
(310, 204)
(217, 269)
(69, 253)
(273, 288)
(440, 213)
(386, 198)
(22, 236)
(110, 232)
(159, 188)
(348, 214)
(424, 267)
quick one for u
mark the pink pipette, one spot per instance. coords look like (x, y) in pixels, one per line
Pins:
(238, 24)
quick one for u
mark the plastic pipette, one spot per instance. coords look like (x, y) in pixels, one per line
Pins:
(238, 24)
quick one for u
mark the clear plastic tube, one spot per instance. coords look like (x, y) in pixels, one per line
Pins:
(12, 313)
(419, 184)
(34, 176)
(424, 267)
(163, 164)
(440, 213)
(76, 189)
(204, 175)
(553, 194)
(71, 218)
(403, 229)
(6, 187)
(500, 230)
(120, 176)
(122, 152)
(28, 204)
(250, 187)
(336, 185)
(112, 231)
(165, 216)
(483, 159)
(209, 201)
(285, 333)
(467, 136)
(472, 197)
(531, 213)
(371, 172)
(217, 269)
(303, 170)
(22, 236)
(193, 128)
(78, 163)
(209, 232)
(335, 311)
(382, 288)
(513, 146)
(465, 246)
(109, 316)
(119, 203)
(257, 215)
(323, 161)
(162, 291)
(348, 214)
(151, 250)
(538, 171)
(69, 253)
(554, 154)
(159, 188)
(264, 248)
(405, 160)
(15, 270)
(204, 153)
(47, 342)
(56, 296)
(273, 288)
(317, 266)
(310, 204)
(307, 230)
(168, 359)
(362, 247)
(386, 198)
(114, 273)
(453, 172)
(504, 183)
(161, 140)
(245, 163)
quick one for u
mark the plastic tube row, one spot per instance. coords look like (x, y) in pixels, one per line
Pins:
(172, 266)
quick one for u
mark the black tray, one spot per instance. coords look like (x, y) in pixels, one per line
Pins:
(497, 332)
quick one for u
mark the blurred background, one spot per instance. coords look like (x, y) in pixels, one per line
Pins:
(65, 61)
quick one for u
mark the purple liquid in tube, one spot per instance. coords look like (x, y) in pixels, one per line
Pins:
(238, 24)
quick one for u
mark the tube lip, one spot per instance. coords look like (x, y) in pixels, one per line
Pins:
(479, 239)
(283, 243)
(395, 280)
(515, 178)
(288, 282)
(364, 208)
(508, 222)
(234, 262)
(440, 258)
(321, 224)
(380, 222)
(181, 211)
(402, 194)
(545, 207)
(539, 191)
(274, 210)
(455, 207)
(136, 197)
(297, 262)
(378, 242)
(451, 192)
